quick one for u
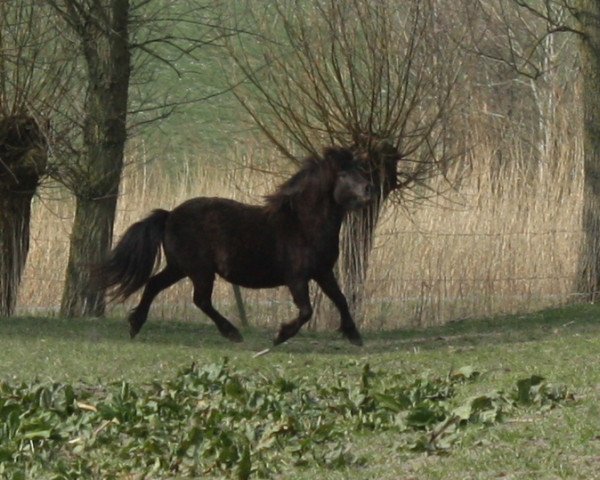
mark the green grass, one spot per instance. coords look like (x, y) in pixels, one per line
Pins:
(562, 345)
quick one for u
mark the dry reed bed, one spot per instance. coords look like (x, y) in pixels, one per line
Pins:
(503, 241)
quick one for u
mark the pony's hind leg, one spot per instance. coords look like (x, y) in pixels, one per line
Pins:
(330, 287)
(163, 279)
(203, 287)
(299, 291)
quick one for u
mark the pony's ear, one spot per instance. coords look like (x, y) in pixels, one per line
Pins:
(343, 157)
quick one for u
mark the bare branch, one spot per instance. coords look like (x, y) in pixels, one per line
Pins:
(357, 73)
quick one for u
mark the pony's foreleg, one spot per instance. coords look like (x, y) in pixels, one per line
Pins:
(203, 287)
(299, 291)
(163, 279)
(330, 287)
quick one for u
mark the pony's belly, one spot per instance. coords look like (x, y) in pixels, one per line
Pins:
(267, 280)
(251, 265)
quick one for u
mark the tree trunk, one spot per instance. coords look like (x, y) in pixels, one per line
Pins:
(108, 58)
(589, 43)
(15, 213)
(355, 248)
(90, 240)
(22, 162)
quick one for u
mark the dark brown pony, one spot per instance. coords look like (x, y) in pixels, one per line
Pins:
(291, 239)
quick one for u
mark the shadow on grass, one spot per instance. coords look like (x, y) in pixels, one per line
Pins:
(574, 319)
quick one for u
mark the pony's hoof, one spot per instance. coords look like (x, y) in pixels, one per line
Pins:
(234, 336)
(353, 337)
(285, 333)
(358, 341)
(133, 331)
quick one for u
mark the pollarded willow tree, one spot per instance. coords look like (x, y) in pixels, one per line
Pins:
(100, 33)
(378, 76)
(23, 159)
(118, 45)
(33, 78)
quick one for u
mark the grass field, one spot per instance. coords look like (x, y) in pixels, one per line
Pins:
(561, 345)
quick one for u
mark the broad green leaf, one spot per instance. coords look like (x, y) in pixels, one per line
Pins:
(465, 373)
(244, 467)
(37, 434)
(463, 412)
(217, 421)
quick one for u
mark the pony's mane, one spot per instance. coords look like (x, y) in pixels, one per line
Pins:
(311, 181)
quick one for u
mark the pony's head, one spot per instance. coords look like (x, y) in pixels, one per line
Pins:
(336, 173)
(351, 190)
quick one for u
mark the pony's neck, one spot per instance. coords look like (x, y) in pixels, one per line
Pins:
(321, 218)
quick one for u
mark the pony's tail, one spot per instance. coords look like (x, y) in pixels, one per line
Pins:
(134, 258)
